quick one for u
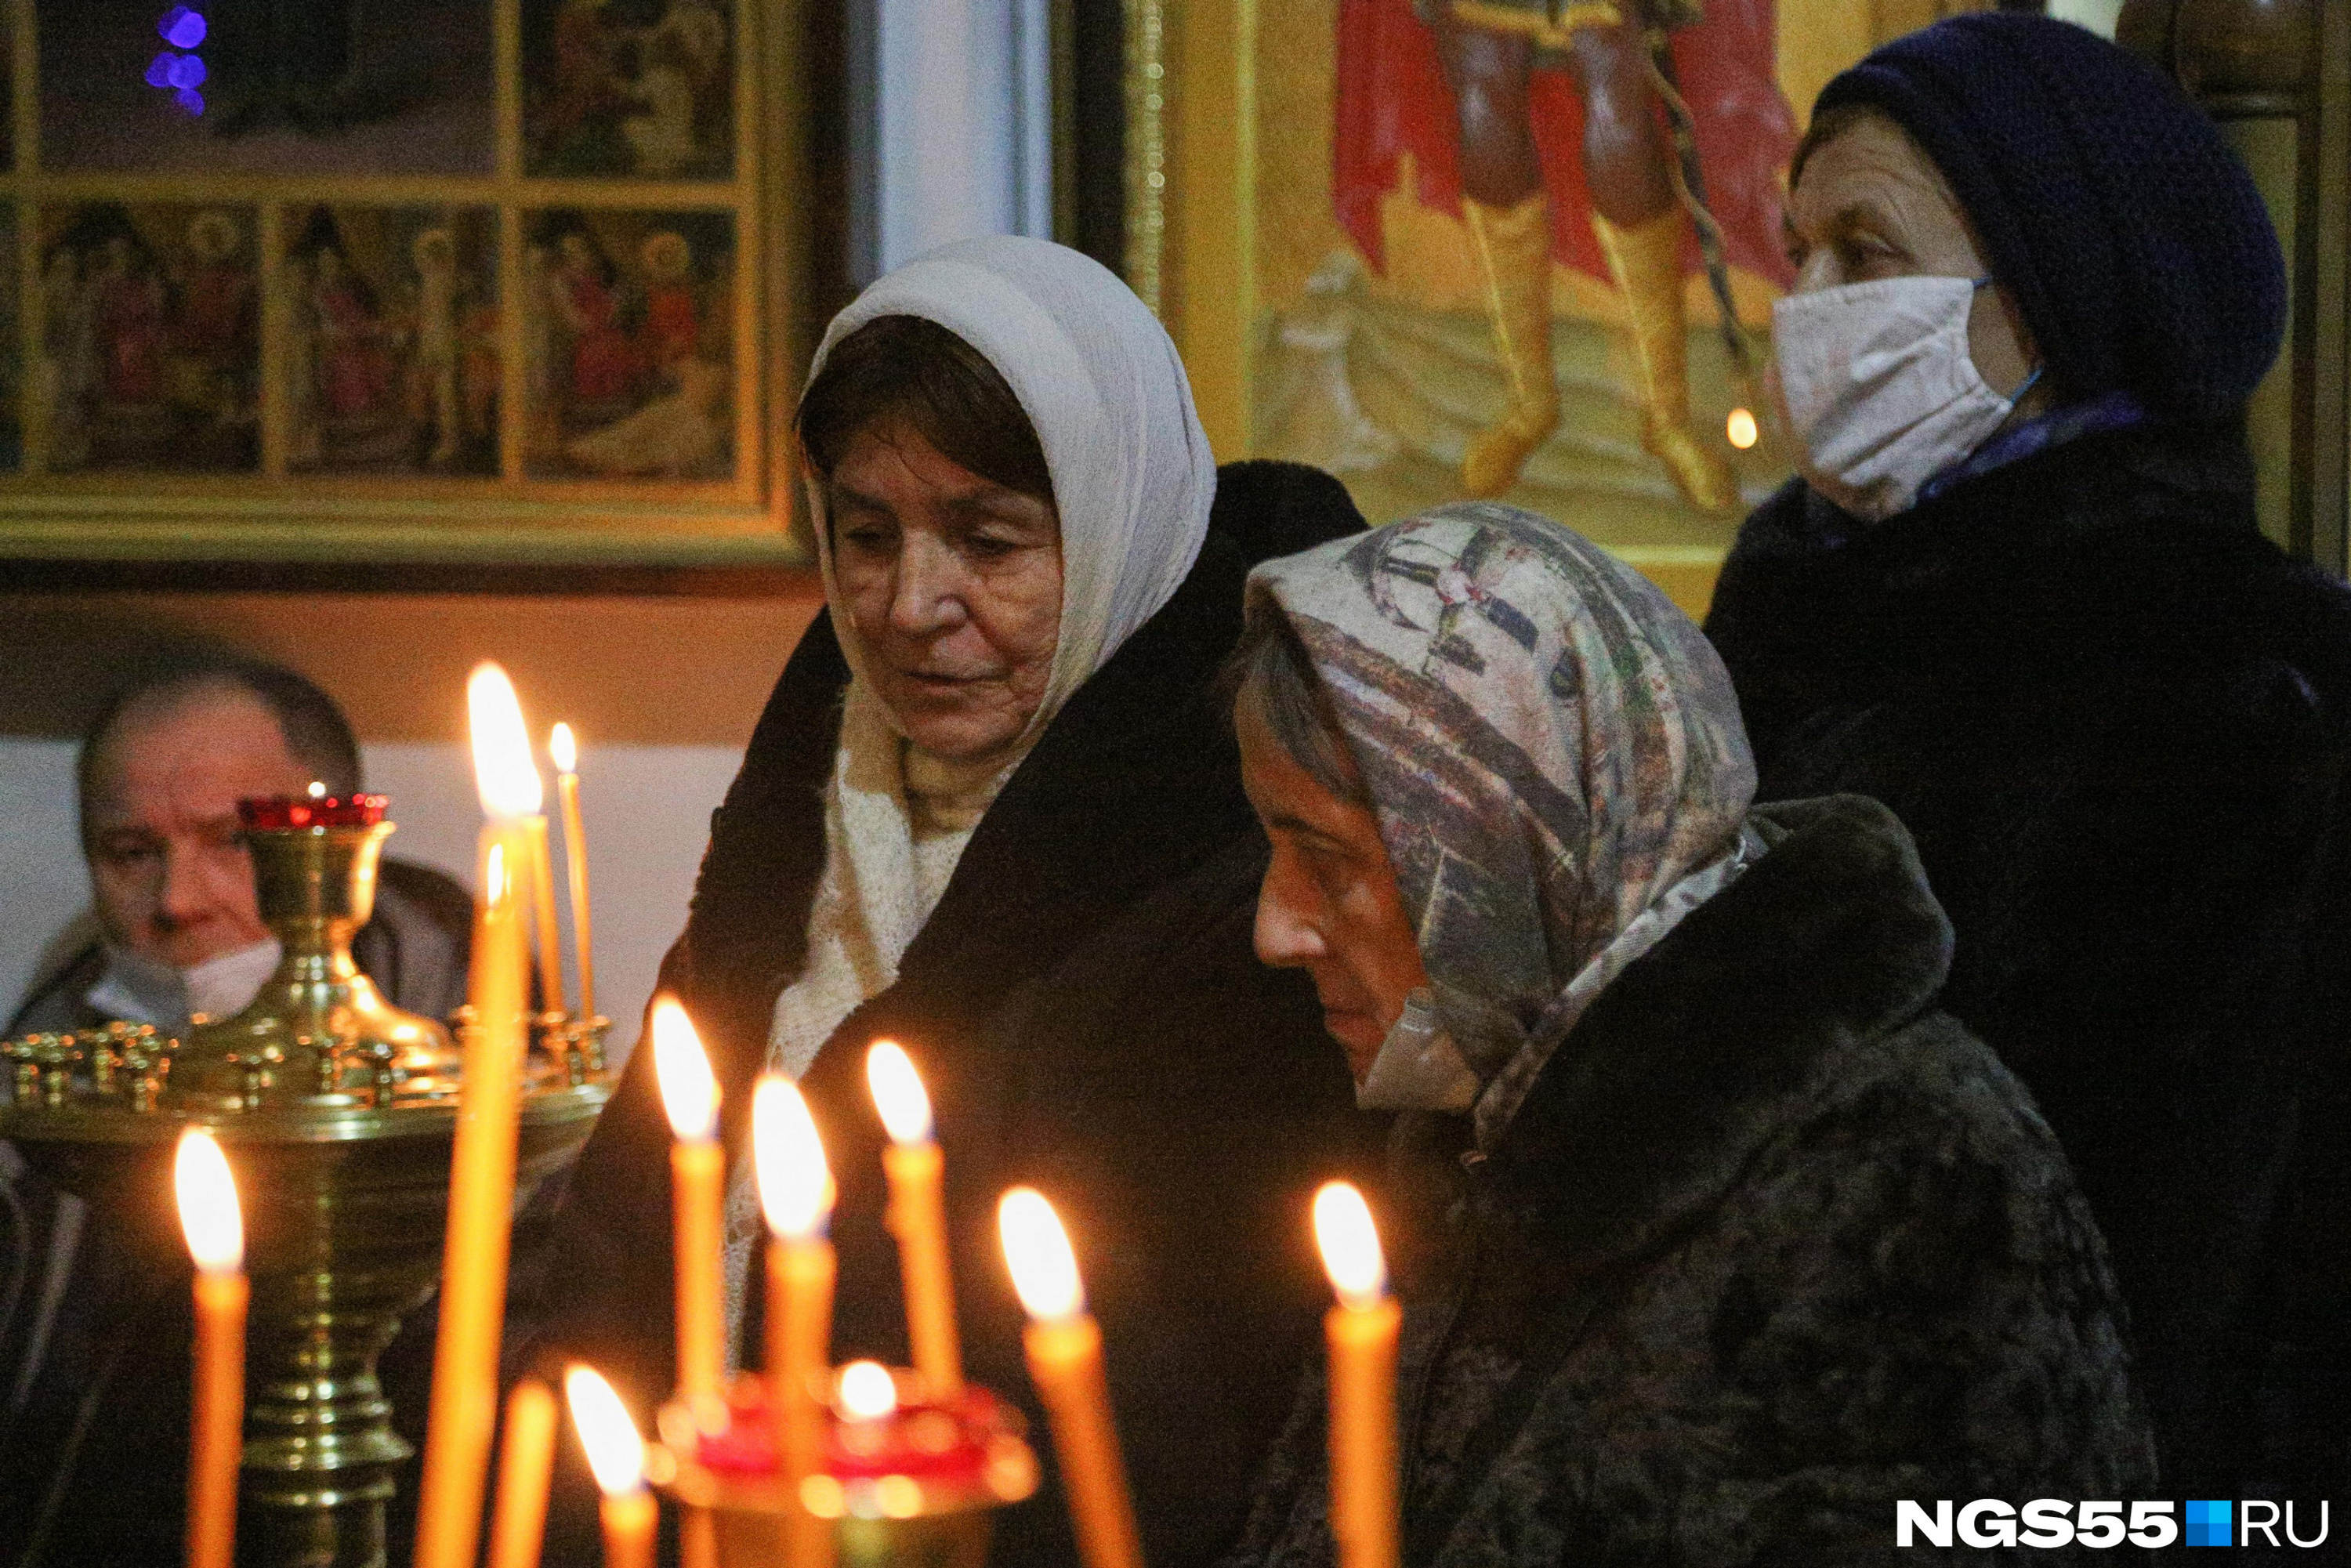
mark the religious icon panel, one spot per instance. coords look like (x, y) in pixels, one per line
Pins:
(149, 342)
(643, 88)
(263, 87)
(1512, 248)
(628, 344)
(389, 362)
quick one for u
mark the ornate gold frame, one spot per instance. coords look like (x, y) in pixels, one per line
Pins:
(507, 521)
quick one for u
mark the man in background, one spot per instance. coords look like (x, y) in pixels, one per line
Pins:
(173, 929)
(93, 1352)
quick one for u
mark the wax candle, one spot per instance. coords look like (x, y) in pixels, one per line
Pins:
(697, 1169)
(1065, 1362)
(796, 1192)
(566, 754)
(1362, 1334)
(215, 1232)
(917, 1217)
(463, 1408)
(526, 1462)
(616, 1455)
(542, 909)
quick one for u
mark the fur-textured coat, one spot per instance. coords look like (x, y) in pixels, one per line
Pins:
(1089, 1017)
(1771, 1243)
(2116, 720)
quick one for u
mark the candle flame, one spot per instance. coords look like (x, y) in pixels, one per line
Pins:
(867, 1391)
(1350, 1244)
(788, 1157)
(615, 1453)
(1741, 429)
(503, 771)
(497, 885)
(689, 1093)
(898, 1093)
(563, 750)
(209, 1215)
(1036, 1249)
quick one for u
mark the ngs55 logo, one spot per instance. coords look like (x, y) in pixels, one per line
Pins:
(2052, 1523)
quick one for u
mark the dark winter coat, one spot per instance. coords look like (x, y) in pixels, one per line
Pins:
(1089, 1015)
(1771, 1243)
(2116, 720)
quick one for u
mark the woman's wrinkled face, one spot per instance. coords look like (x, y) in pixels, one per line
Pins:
(1871, 204)
(1329, 904)
(954, 585)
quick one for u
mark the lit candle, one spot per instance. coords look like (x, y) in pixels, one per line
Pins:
(617, 1456)
(796, 1191)
(216, 1233)
(464, 1410)
(526, 1460)
(1065, 1362)
(697, 1174)
(566, 753)
(917, 1217)
(542, 908)
(1361, 1331)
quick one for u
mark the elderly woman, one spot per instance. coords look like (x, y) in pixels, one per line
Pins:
(2019, 596)
(1743, 1238)
(993, 812)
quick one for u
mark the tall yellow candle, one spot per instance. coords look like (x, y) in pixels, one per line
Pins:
(697, 1179)
(526, 1462)
(1362, 1334)
(1065, 1362)
(566, 754)
(616, 1455)
(796, 1192)
(216, 1231)
(542, 909)
(918, 1215)
(464, 1410)
(697, 1171)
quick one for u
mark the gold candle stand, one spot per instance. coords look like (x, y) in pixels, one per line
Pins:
(337, 1111)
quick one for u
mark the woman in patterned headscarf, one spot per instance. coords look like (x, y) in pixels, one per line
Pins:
(1742, 1240)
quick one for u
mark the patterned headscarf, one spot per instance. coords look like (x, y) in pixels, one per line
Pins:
(1553, 749)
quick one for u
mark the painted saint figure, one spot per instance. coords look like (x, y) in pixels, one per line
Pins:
(1539, 123)
(1490, 49)
(436, 369)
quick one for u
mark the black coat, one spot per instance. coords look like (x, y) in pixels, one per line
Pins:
(1088, 1013)
(2117, 721)
(1771, 1243)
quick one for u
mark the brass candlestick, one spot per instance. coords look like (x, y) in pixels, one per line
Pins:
(339, 1112)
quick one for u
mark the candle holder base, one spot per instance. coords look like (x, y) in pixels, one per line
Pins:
(878, 1520)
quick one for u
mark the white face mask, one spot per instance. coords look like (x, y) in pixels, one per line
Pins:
(219, 987)
(1876, 382)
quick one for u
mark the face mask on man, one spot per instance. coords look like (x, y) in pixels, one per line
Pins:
(1876, 382)
(220, 987)
(138, 989)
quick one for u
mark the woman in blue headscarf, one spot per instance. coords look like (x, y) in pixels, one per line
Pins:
(2021, 595)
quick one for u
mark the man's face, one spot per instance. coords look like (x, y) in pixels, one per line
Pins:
(168, 863)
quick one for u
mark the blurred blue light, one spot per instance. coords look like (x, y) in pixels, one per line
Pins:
(190, 99)
(187, 71)
(159, 70)
(181, 29)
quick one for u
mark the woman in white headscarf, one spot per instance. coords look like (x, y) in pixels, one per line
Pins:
(993, 812)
